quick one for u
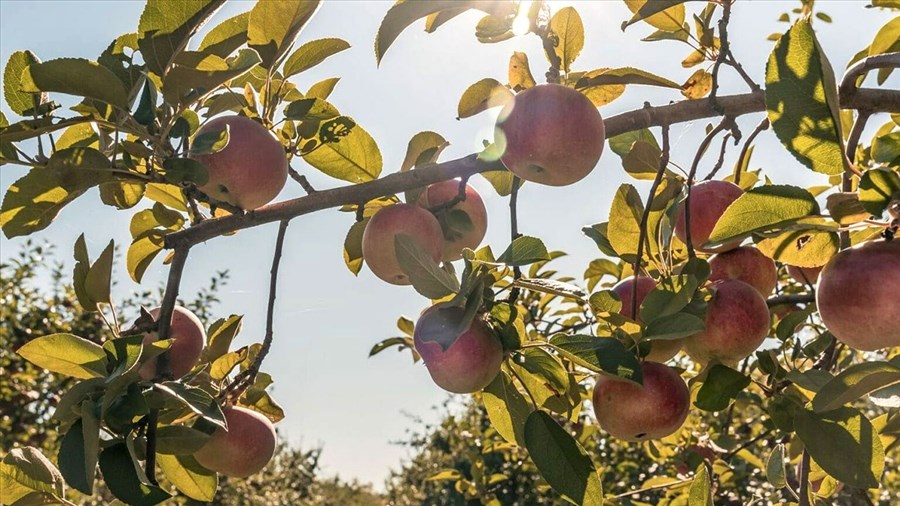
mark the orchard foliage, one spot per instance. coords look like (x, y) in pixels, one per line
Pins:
(140, 134)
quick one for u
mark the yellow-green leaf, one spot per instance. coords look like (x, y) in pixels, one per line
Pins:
(311, 54)
(761, 208)
(188, 476)
(481, 96)
(19, 101)
(354, 158)
(274, 24)
(567, 25)
(667, 15)
(520, 77)
(66, 354)
(75, 76)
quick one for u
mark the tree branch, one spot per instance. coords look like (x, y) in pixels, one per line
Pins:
(514, 232)
(689, 110)
(794, 298)
(301, 179)
(763, 125)
(848, 89)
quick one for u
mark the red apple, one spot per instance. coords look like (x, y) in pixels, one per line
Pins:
(661, 350)
(747, 264)
(389, 222)
(244, 449)
(473, 359)
(252, 168)
(859, 295)
(804, 275)
(189, 339)
(468, 234)
(633, 412)
(709, 200)
(551, 134)
(737, 322)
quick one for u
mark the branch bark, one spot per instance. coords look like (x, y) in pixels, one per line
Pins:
(734, 105)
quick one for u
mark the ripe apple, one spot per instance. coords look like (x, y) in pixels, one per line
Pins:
(747, 264)
(457, 235)
(244, 449)
(859, 295)
(633, 412)
(189, 339)
(389, 222)
(804, 275)
(737, 322)
(709, 200)
(660, 350)
(250, 170)
(470, 363)
(551, 135)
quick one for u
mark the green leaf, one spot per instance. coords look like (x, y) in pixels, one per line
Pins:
(876, 189)
(802, 247)
(141, 252)
(674, 326)
(567, 25)
(424, 273)
(33, 201)
(625, 221)
(700, 493)
(844, 444)
(323, 88)
(507, 408)
(121, 194)
(189, 477)
(886, 149)
(316, 109)
(274, 24)
(853, 383)
(78, 451)
(763, 208)
(311, 54)
(122, 479)
(98, 280)
(66, 354)
(165, 28)
(125, 352)
(599, 354)
(185, 170)
(18, 100)
(195, 399)
(353, 258)
(667, 15)
(227, 36)
(75, 76)
(524, 250)
(221, 333)
(424, 148)
(194, 73)
(403, 14)
(802, 101)
(722, 385)
(27, 472)
(642, 162)
(623, 75)
(562, 461)
(354, 158)
(775, 471)
(481, 96)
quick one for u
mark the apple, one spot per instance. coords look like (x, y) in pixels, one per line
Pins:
(473, 359)
(747, 264)
(804, 275)
(389, 222)
(550, 134)
(709, 200)
(244, 449)
(458, 232)
(859, 295)
(633, 412)
(189, 339)
(250, 170)
(660, 350)
(737, 322)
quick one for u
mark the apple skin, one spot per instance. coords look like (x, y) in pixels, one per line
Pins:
(859, 295)
(252, 168)
(632, 412)
(709, 200)
(804, 275)
(242, 451)
(737, 322)
(470, 363)
(453, 241)
(747, 264)
(190, 337)
(660, 350)
(553, 135)
(389, 222)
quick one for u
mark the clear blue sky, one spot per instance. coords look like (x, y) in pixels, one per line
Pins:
(326, 319)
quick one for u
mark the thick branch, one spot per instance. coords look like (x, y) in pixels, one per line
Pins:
(735, 105)
(848, 89)
(794, 298)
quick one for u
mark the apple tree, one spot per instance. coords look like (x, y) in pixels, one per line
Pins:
(719, 292)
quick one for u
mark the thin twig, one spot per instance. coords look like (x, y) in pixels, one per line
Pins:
(804, 479)
(704, 144)
(304, 183)
(654, 487)
(763, 125)
(248, 376)
(514, 232)
(459, 197)
(723, 51)
(847, 177)
(794, 298)
(642, 238)
(721, 159)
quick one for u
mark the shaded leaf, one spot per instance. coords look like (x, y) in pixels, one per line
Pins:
(424, 273)
(354, 158)
(274, 24)
(165, 28)
(599, 354)
(853, 383)
(844, 443)
(666, 15)
(75, 76)
(762, 208)
(311, 54)
(123, 481)
(507, 408)
(722, 385)
(227, 36)
(562, 461)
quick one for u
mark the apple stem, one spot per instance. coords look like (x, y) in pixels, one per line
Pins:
(514, 232)
(739, 166)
